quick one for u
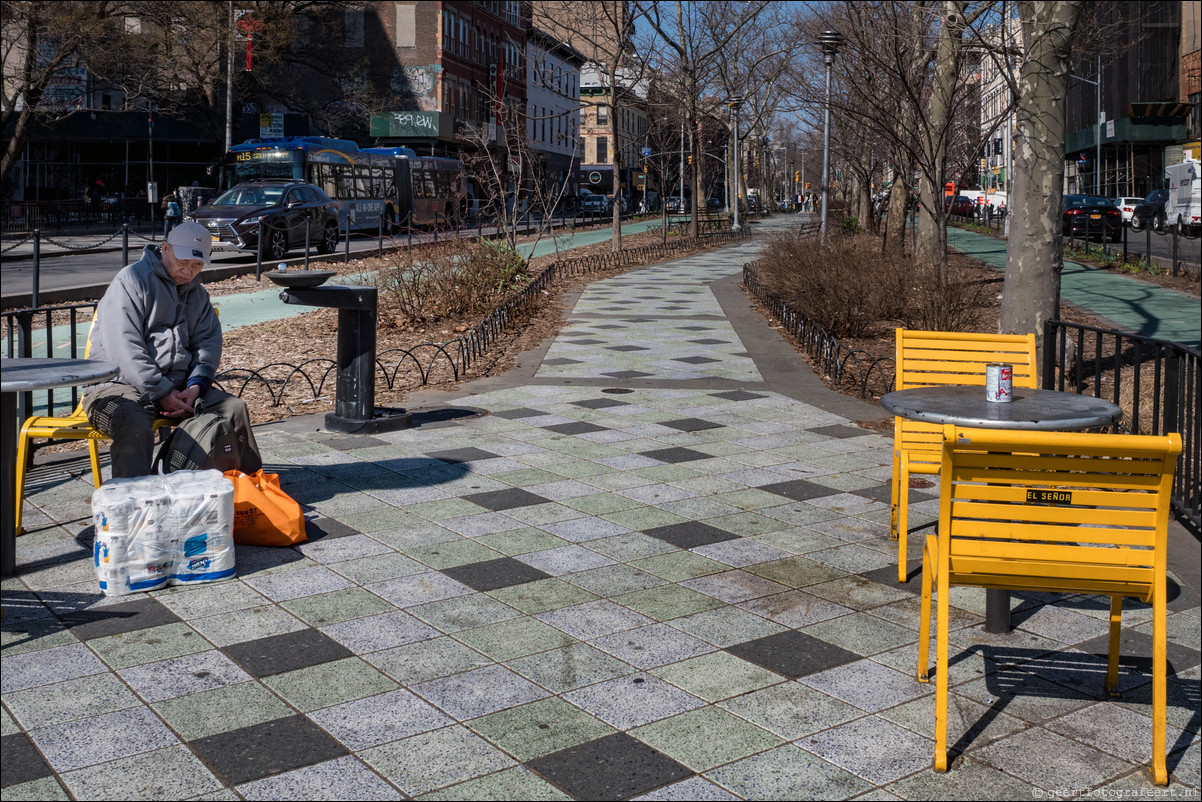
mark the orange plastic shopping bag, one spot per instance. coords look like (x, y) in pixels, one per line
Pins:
(264, 515)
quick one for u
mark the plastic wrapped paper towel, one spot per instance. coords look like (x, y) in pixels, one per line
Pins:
(152, 531)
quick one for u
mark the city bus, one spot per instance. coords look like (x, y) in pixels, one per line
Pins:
(432, 189)
(358, 182)
(366, 183)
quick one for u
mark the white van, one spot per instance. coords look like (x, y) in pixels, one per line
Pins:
(1184, 206)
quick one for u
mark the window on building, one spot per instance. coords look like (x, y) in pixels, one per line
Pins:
(602, 150)
(353, 23)
(406, 24)
(602, 114)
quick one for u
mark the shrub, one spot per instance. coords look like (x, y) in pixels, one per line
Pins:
(851, 225)
(853, 290)
(449, 279)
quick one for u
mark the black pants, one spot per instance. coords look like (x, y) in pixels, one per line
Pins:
(115, 410)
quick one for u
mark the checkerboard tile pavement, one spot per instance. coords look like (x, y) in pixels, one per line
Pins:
(589, 592)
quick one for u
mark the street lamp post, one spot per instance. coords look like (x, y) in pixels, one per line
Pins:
(1097, 168)
(830, 42)
(735, 102)
(764, 175)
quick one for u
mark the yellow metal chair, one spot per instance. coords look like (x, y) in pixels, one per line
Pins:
(931, 358)
(1052, 512)
(71, 427)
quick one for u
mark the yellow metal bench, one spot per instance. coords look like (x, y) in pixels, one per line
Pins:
(1052, 512)
(75, 426)
(933, 358)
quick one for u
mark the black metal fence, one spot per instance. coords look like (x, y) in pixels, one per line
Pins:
(1157, 383)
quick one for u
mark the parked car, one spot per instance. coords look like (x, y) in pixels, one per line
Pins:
(281, 207)
(595, 204)
(1183, 208)
(713, 203)
(1127, 208)
(960, 206)
(1090, 215)
(1150, 211)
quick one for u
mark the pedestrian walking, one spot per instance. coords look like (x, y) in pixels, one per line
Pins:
(172, 213)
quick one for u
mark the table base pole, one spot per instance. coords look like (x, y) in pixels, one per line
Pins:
(997, 611)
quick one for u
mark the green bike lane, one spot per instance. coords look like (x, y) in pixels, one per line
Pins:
(1134, 305)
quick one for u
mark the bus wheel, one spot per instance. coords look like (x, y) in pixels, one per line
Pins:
(329, 239)
(277, 244)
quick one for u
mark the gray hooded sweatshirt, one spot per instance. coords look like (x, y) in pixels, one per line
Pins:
(159, 333)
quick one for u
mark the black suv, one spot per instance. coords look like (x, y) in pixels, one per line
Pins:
(1150, 211)
(281, 207)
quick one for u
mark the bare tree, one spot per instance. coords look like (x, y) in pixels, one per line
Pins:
(42, 43)
(1034, 256)
(603, 30)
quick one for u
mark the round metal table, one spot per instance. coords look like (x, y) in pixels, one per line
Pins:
(22, 376)
(963, 405)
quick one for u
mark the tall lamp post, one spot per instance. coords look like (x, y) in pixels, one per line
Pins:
(735, 102)
(1097, 169)
(830, 42)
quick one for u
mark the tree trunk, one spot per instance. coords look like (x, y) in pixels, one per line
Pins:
(1034, 258)
(895, 223)
(615, 160)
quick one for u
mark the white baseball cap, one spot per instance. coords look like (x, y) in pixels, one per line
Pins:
(191, 241)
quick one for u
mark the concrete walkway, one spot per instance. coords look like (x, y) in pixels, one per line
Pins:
(657, 568)
(1134, 305)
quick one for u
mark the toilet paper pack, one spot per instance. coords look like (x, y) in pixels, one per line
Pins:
(153, 531)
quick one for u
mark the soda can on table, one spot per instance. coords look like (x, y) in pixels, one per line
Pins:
(999, 382)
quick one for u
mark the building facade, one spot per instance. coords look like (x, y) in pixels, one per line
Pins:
(600, 123)
(449, 65)
(1141, 122)
(553, 110)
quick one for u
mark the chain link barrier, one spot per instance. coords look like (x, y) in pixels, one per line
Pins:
(28, 237)
(79, 248)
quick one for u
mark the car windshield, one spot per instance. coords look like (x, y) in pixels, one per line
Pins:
(250, 196)
(1076, 201)
(1156, 196)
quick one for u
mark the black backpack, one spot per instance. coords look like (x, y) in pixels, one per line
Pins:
(204, 441)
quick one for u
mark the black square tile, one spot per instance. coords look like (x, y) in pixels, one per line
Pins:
(690, 424)
(793, 654)
(614, 767)
(627, 374)
(626, 348)
(610, 326)
(710, 341)
(519, 412)
(497, 500)
(696, 360)
(798, 490)
(738, 395)
(575, 427)
(287, 652)
(675, 455)
(463, 455)
(586, 341)
(840, 431)
(351, 442)
(264, 749)
(600, 403)
(882, 493)
(97, 622)
(690, 534)
(20, 761)
(695, 328)
(561, 360)
(493, 574)
(325, 528)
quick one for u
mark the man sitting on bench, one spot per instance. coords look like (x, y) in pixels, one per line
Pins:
(157, 324)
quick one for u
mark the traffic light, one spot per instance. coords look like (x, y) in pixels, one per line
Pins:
(690, 158)
(797, 176)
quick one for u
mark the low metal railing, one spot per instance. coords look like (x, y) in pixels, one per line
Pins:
(1157, 383)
